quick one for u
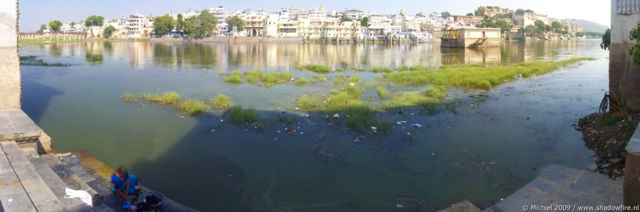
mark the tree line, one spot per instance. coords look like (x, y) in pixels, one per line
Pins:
(198, 26)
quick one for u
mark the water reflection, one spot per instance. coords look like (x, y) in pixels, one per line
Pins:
(286, 57)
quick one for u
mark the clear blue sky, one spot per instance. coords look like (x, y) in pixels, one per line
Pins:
(33, 13)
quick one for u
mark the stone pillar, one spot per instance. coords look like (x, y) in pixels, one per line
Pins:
(624, 76)
(10, 87)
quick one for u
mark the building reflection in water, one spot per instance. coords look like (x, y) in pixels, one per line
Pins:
(287, 57)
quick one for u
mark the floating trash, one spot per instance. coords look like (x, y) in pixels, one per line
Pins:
(416, 125)
(301, 133)
(335, 116)
(278, 131)
(374, 129)
(358, 139)
(288, 130)
(221, 120)
(212, 130)
(401, 122)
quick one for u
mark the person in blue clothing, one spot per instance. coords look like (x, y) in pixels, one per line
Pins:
(124, 184)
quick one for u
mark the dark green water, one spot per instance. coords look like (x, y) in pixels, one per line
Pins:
(481, 152)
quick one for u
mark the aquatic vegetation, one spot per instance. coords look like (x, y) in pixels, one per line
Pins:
(234, 78)
(170, 98)
(238, 115)
(410, 98)
(221, 102)
(193, 107)
(286, 119)
(34, 61)
(381, 69)
(128, 97)
(339, 79)
(300, 81)
(382, 92)
(436, 91)
(323, 69)
(254, 76)
(475, 76)
(360, 69)
(274, 78)
(173, 99)
(340, 69)
(403, 68)
(317, 78)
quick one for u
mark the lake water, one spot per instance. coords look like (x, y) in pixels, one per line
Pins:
(481, 151)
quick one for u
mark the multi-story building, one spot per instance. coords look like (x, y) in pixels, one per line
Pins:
(139, 25)
(254, 24)
(491, 11)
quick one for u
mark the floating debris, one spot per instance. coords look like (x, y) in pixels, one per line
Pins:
(358, 139)
(335, 116)
(374, 129)
(401, 122)
(416, 125)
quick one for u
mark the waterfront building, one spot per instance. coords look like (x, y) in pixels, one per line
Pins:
(471, 37)
(139, 26)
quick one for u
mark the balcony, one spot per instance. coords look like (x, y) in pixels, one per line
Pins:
(626, 7)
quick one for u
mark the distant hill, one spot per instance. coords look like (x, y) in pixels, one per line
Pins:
(590, 26)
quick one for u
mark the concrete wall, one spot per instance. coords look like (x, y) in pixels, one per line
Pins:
(624, 76)
(10, 87)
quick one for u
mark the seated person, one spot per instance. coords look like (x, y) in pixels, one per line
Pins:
(124, 184)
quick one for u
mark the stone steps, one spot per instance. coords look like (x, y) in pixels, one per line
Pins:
(37, 190)
(32, 182)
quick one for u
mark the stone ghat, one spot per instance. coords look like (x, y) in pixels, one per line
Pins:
(33, 182)
(557, 185)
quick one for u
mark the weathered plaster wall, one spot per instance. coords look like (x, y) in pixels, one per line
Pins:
(624, 76)
(10, 88)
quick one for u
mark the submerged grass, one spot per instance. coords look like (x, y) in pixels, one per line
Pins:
(382, 92)
(238, 115)
(476, 76)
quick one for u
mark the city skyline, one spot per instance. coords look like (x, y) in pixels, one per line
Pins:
(35, 13)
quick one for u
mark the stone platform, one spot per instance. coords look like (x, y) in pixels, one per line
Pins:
(557, 185)
(16, 125)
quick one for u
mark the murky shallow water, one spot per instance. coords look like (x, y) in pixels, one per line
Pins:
(482, 152)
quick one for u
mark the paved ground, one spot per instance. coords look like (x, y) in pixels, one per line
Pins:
(15, 124)
(560, 185)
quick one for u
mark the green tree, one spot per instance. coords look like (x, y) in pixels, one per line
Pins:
(73, 23)
(503, 25)
(364, 22)
(420, 14)
(469, 14)
(343, 19)
(479, 12)
(540, 26)
(236, 22)
(108, 31)
(163, 25)
(579, 34)
(94, 20)
(557, 26)
(445, 14)
(180, 23)
(190, 25)
(55, 25)
(42, 28)
(606, 40)
(201, 26)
